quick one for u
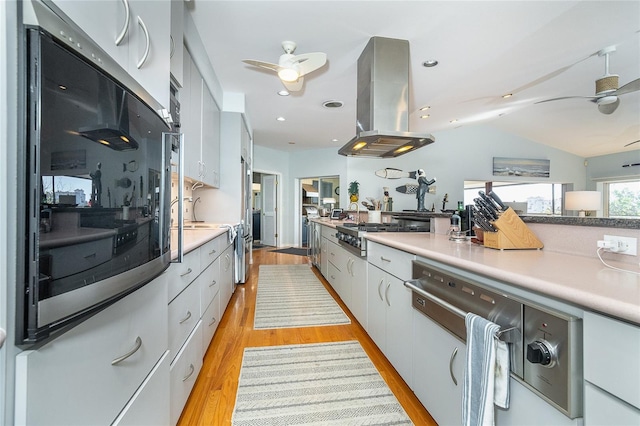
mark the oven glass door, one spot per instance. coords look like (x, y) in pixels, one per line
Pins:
(97, 173)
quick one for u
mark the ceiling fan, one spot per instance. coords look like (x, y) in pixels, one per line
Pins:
(292, 68)
(607, 90)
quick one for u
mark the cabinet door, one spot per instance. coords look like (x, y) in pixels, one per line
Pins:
(398, 326)
(210, 139)
(376, 307)
(602, 408)
(438, 360)
(184, 372)
(226, 277)
(149, 29)
(177, 46)
(191, 117)
(359, 290)
(210, 321)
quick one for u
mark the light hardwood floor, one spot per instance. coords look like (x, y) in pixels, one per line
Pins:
(213, 397)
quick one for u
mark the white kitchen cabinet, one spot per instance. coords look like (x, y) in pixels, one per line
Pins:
(176, 49)
(209, 282)
(184, 314)
(438, 370)
(210, 321)
(96, 387)
(145, 27)
(611, 370)
(150, 404)
(389, 303)
(357, 272)
(184, 372)
(180, 275)
(201, 126)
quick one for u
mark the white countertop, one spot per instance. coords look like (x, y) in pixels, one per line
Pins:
(193, 238)
(579, 280)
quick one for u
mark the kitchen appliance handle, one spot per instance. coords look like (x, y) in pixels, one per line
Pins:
(137, 346)
(147, 45)
(453, 355)
(125, 27)
(509, 335)
(168, 137)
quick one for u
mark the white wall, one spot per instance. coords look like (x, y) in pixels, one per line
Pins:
(610, 166)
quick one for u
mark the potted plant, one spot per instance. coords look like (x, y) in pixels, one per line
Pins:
(354, 191)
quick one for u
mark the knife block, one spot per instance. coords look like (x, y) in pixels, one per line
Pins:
(512, 234)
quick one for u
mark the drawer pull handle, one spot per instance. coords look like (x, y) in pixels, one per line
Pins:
(185, 319)
(90, 255)
(187, 273)
(213, 321)
(384, 259)
(137, 346)
(192, 370)
(453, 355)
(212, 252)
(212, 283)
(379, 293)
(386, 293)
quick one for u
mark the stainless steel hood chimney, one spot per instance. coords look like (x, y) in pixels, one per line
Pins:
(382, 125)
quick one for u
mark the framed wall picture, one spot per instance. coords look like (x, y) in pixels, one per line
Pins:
(526, 167)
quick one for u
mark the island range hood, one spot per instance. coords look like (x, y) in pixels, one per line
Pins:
(382, 125)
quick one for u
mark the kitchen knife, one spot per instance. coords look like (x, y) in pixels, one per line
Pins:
(489, 211)
(483, 221)
(497, 200)
(490, 202)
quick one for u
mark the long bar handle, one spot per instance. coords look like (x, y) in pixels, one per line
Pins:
(125, 27)
(137, 346)
(509, 335)
(145, 55)
(453, 355)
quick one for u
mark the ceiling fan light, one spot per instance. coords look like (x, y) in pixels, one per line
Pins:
(606, 100)
(288, 74)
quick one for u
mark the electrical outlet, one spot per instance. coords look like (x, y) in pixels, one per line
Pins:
(623, 245)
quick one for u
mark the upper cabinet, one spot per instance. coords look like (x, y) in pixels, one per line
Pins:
(176, 48)
(135, 33)
(201, 127)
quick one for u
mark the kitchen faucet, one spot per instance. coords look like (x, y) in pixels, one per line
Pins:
(175, 200)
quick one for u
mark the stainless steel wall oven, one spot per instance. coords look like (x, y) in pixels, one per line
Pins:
(96, 160)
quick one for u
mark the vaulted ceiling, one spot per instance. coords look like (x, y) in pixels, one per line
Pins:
(534, 50)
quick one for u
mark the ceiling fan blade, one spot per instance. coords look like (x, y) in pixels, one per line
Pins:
(309, 62)
(266, 65)
(609, 108)
(294, 86)
(568, 97)
(632, 86)
(631, 143)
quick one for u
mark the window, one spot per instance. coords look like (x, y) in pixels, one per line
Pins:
(622, 199)
(66, 190)
(524, 198)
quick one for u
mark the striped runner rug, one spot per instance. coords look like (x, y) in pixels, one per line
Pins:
(314, 384)
(292, 296)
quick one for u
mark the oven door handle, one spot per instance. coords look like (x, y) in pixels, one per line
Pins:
(509, 335)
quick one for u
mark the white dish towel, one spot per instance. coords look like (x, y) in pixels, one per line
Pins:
(486, 376)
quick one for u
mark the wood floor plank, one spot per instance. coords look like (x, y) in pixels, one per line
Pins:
(213, 397)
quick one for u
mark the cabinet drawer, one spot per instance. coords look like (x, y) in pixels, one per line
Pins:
(182, 274)
(184, 313)
(184, 372)
(394, 261)
(611, 350)
(70, 260)
(209, 282)
(337, 256)
(82, 358)
(210, 320)
(150, 404)
(210, 251)
(329, 233)
(602, 408)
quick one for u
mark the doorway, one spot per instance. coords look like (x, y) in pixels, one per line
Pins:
(265, 209)
(318, 194)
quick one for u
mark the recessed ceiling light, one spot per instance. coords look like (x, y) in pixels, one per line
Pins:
(334, 140)
(508, 95)
(283, 93)
(424, 108)
(280, 118)
(430, 63)
(332, 104)
(455, 120)
(425, 116)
